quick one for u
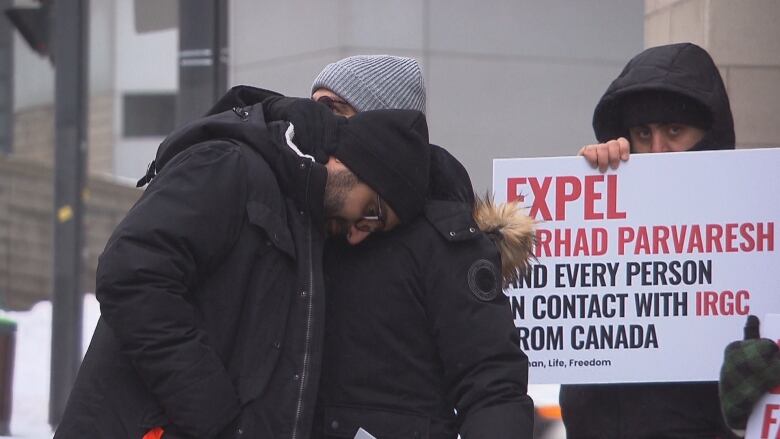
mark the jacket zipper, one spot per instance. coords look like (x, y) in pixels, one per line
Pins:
(309, 317)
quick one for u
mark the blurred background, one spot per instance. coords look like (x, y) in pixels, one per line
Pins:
(88, 89)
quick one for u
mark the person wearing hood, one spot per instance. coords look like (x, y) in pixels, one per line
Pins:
(419, 338)
(667, 99)
(211, 288)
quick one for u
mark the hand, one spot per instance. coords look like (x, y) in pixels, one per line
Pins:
(315, 125)
(751, 368)
(607, 154)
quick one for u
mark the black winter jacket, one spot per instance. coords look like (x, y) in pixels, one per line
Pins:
(211, 293)
(657, 410)
(417, 327)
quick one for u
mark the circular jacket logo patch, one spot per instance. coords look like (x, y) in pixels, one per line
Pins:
(483, 280)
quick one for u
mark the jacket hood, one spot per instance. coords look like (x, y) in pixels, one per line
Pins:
(241, 117)
(512, 230)
(241, 96)
(225, 120)
(232, 118)
(449, 180)
(682, 68)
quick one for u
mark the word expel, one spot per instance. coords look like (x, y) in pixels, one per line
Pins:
(598, 195)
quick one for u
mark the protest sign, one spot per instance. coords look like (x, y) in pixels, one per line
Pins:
(646, 272)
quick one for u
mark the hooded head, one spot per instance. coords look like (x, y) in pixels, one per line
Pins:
(675, 83)
(388, 150)
(375, 82)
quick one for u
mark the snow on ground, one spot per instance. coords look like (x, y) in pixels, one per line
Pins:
(32, 363)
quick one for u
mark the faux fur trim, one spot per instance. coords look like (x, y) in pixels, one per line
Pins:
(512, 230)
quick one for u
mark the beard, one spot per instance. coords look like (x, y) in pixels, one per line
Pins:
(337, 187)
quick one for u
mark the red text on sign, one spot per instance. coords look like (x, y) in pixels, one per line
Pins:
(695, 238)
(770, 419)
(568, 190)
(724, 303)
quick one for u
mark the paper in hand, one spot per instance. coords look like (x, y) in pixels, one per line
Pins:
(363, 434)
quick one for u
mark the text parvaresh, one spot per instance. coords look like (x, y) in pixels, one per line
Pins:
(658, 239)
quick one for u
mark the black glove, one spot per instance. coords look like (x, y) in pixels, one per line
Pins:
(316, 127)
(751, 368)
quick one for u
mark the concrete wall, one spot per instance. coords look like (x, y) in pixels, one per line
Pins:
(743, 38)
(26, 220)
(34, 134)
(505, 78)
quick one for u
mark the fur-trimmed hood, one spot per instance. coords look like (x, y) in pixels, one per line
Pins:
(513, 232)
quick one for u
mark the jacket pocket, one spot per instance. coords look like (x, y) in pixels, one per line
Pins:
(272, 224)
(344, 421)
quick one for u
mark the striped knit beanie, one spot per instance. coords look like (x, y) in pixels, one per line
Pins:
(375, 82)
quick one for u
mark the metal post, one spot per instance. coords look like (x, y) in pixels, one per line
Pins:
(6, 83)
(202, 56)
(221, 46)
(69, 41)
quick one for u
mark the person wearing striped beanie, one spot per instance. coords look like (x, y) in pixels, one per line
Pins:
(370, 82)
(419, 340)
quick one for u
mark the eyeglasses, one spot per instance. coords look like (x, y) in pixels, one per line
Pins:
(372, 223)
(331, 102)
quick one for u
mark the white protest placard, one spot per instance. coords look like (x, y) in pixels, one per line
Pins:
(647, 272)
(764, 422)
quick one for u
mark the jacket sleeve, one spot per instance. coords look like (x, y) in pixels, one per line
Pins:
(180, 228)
(485, 370)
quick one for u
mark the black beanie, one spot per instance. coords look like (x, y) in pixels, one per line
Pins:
(388, 150)
(657, 106)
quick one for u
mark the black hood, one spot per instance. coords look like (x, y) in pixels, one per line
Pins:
(258, 118)
(682, 68)
(241, 96)
(237, 116)
(449, 180)
(248, 116)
